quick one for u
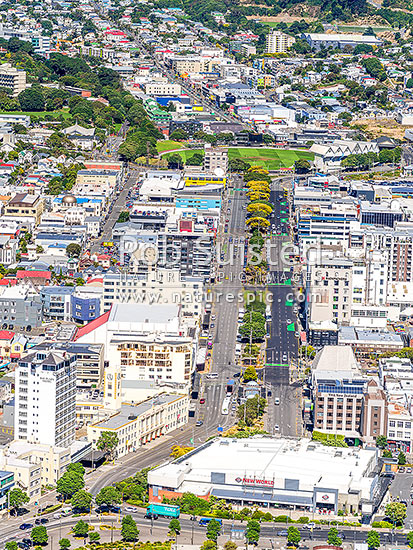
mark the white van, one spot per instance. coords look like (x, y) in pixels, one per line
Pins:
(238, 349)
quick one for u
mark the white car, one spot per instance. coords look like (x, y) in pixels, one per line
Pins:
(276, 428)
(277, 400)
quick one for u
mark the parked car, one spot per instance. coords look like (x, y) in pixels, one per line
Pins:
(25, 526)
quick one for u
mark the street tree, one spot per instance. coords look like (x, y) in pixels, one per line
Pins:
(12, 545)
(108, 496)
(213, 530)
(396, 512)
(81, 500)
(69, 484)
(175, 526)
(129, 531)
(250, 374)
(64, 544)
(333, 537)
(107, 442)
(73, 250)
(81, 529)
(373, 540)
(293, 536)
(209, 545)
(381, 441)
(17, 498)
(230, 545)
(252, 532)
(39, 535)
(76, 467)
(401, 459)
(94, 536)
(409, 538)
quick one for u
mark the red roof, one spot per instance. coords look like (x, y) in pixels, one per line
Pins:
(23, 274)
(93, 325)
(6, 334)
(5, 281)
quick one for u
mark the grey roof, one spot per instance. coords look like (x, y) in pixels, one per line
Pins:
(141, 312)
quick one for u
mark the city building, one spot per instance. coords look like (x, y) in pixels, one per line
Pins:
(215, 160)
(339, 40)
(56, 303)
(45, 398)
(24, 205)
(12, 79)
(272, 472)
(136, 425)
(20, 306)
(278, 42)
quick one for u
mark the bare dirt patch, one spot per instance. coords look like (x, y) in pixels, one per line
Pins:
(375, 128)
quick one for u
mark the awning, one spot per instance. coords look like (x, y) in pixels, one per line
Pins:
(262, 496)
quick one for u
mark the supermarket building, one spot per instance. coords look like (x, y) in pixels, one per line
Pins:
(280, 472)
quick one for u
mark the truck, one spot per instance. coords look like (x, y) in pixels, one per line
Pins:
(230, 387)
(153, 511)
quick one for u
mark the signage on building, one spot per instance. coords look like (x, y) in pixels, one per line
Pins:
(326, 498)
(255, 481)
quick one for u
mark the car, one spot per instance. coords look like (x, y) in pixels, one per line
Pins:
(130, 509)
(199, 423)
(28, 542)
(408, 470)
(282, 533)
(202, 401)
(237, 375)
(402, 470)
(276, 428)
(289, 321)
(25, 526)
(22, 545)
(277, 400)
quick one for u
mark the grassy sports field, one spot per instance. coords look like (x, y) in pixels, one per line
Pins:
(271, 159)
(168, 145)
(39, 114)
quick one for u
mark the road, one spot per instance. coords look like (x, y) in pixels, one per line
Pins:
(401, 489)
(285, 418)
(114, 210)
(230, 529)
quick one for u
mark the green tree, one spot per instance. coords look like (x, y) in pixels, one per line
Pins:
(252, 409)
(129, 531)
(94, 537)
(195, 160)
(31, 99)
(73, 250)
(293, 536)
(387, 453)
(213, 530)
(12, 545)
(178, 135)
(82, 500)
(108, 442)
(175, 161)
(373, 540)
(409, 83)
(333, 537)
(81, 529)
(230, 545)
(108, 496)
(209, 545)
(175, 526)
(77, 468)
(64, 544)
(396, 512)
(123, 217)
(302, 166)
(252, 532)
(409, 538)
(250, 374)
(69, 484)
(401, 459)
(381, 441)
(39, 535)
(39, 249)
(17, 498)
(238, 165)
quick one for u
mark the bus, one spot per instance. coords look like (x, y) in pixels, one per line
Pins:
(204, 521)
(225, 405)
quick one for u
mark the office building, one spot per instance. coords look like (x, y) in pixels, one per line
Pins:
(278, 42)
(45, 398)
(12, 79)
(20, 306)
(215, 160)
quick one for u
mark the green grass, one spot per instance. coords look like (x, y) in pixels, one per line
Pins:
(39, 114)
(168, 145)
(350, 28)
(185, 155)
(271, 159)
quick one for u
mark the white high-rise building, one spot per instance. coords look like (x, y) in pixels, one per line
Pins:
(45, 406)
(278, 42)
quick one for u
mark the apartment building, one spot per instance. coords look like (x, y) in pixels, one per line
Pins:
(24, 205)
(160, 287)
(215, 160)
(56, 303)
(12, 79)
(374, 414)
(137, 425)
(278, 42)
(328, 290)
(191, 65)
(163, 87)
(20, 306)
(45, 398)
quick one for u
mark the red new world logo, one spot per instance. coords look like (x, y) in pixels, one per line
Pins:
(255, 481)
